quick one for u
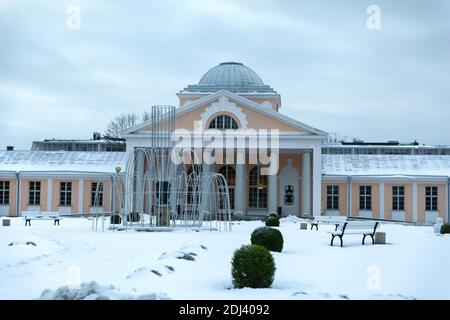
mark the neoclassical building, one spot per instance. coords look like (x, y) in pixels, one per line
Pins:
(232, 96)
(233, 99)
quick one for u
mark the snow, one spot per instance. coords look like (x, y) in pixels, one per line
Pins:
(414, 264)
(63, 161)
(397, 165)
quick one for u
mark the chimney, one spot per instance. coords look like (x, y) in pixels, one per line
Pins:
(9, 148)
(96, 136)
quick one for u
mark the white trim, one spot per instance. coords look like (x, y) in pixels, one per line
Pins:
(49, 194)
(220, 106)
(430, 216)
(247, 102)
(317, 181)
(387, 178)
(399, 215)
(4, 209)
(81, 196)
(65, 209)
(96, 209)
(381, 200)
(332, 212)
(61, 174)
(414, 203)
(365, 214)
(306, 183)
(34, 208)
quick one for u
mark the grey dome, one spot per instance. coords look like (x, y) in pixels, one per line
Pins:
(231, 74)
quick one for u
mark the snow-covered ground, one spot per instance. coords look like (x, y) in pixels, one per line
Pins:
(415, 264)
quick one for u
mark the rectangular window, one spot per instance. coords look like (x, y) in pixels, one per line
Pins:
(35, 193)
(96, 194)
(333, 197)
(431, 198)
(365, 198)
(65, 194)
(4, 192)
(398, 198)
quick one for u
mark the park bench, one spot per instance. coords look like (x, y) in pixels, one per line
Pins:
(364, 228)
(336, 220)
(40, 215)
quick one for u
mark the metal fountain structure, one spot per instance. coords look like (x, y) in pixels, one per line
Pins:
(153, 193)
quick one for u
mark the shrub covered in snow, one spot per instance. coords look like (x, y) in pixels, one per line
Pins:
(115, 219)
(445, 228)
(272, 221)
(270, 238)
(252, 266)
(273, 214)
(93, 291)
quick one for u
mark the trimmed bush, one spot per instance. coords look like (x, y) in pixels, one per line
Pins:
(115, 219)
(133, 217)
(253, 267)
(272, 222)
(445, 228)
(269, 238)
(273, 214)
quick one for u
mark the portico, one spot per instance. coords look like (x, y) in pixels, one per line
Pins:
(271, 162)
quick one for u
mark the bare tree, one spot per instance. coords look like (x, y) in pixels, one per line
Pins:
(146, 116)
(121, 123)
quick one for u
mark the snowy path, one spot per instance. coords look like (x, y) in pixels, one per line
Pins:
(415, 263)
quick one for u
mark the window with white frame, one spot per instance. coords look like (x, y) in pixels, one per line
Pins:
(365, 197)
(4, 192)
(332, 197)
(257, 187)
(65, 194)
(223, 122)
(398, 198)
(431, 198)
(34, 198)
(96, 194)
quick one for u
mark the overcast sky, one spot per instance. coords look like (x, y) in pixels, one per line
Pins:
(332, 72)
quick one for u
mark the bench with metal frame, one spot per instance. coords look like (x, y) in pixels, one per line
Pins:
(336, 220)
(364, 228)
(40, 215)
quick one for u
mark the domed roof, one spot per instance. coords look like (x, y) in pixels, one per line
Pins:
(231, 74)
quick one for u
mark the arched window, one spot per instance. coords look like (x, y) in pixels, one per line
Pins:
(223, 122)
(230, 176)
(257, 189)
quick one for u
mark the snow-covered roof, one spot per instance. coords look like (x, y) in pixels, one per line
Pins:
(61, 161)
(367, 165)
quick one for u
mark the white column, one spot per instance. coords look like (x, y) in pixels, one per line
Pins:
(381, 200)
(317, 180)
(306, 183)
(140, 172)
(448, 201)
(349, 197)
(239, 192)
(81, 196)
(272, 181)
(414, 202)
(49, 194)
